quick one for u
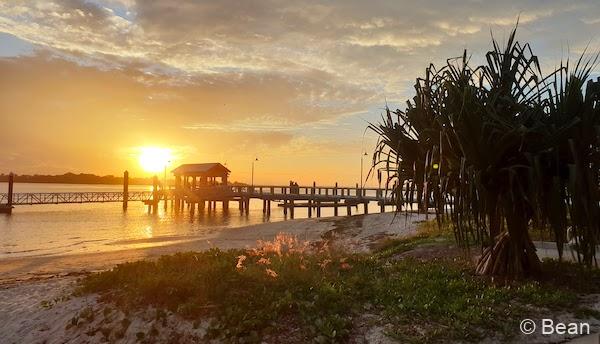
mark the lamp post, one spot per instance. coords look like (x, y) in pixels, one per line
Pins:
(362, 184)
(165, 175)
(253, 161)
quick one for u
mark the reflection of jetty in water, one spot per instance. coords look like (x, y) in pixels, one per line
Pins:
(203, 186)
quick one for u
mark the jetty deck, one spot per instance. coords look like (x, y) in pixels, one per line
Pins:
(33, 198)
(197, 186)
(288, 197)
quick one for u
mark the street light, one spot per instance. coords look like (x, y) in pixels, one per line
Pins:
(165, 176)
(362, 184)
(253, 161)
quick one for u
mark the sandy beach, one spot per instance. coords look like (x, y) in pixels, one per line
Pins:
(353, 233)
(35, 292)
(38, 305)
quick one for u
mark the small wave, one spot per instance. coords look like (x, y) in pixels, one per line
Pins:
(23, 251)
(55, 248)
(81, 243)
(165, 238)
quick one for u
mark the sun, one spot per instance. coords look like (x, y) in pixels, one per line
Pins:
(154, 159)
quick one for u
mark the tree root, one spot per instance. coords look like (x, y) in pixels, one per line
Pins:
(509, 258)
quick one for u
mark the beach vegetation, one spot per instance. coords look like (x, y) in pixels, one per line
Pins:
(325, 295)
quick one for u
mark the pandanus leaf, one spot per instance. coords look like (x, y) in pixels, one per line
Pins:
(500, 147)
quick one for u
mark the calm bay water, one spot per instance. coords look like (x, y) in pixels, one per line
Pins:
(59, 229)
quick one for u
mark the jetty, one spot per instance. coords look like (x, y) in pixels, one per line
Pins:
(205, 186)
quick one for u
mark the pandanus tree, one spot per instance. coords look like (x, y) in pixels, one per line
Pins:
(500, 149)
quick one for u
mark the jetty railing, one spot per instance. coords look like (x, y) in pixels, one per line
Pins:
(289, 197)
(31, 198)
(308, 191)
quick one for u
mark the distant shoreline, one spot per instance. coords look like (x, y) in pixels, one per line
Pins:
(72, 178)
(82, 179)
(76, 183)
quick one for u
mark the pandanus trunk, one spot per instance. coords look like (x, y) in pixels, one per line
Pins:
(512, 253)
(510, 258)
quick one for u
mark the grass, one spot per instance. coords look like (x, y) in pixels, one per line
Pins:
(428, 234)
(253, 295)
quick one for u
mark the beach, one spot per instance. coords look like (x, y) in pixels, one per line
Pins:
(354, 233)
(39, 301)
(36, 292)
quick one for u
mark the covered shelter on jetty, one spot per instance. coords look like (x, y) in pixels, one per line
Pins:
(195, 183)
(205, 174)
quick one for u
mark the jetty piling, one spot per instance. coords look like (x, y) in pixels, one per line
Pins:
(155, 197)
(125, 189)
(165, 194)
(11, 181)
(335, 202)
(196, 185)
(313, 197)
(7, 208)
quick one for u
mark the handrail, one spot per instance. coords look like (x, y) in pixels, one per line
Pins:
(314, 191)
(74, 197)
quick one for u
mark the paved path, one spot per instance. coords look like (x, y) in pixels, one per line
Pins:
(591, 339)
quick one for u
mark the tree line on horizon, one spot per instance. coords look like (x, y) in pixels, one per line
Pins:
(84, 178)
(72, 178)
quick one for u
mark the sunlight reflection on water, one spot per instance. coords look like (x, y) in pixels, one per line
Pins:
(96, 227)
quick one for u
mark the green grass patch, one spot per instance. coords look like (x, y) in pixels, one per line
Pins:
(428, 233)
(256, 294)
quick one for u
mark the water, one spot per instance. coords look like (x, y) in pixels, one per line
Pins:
(60, 229)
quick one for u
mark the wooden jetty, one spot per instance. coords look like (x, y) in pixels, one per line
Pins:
(204, 186)
(289, 198)
(312, 197)
(33, 198)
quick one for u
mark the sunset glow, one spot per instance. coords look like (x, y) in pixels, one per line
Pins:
(224, 171)
(292, 83)
(154, 159)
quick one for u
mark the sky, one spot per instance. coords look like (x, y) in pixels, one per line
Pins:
(84, 85)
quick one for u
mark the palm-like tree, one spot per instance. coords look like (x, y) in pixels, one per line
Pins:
(500, 148)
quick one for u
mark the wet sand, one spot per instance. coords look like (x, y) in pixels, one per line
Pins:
(351, 232)
(37, 305)
(36, 302)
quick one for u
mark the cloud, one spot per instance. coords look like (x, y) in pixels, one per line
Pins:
(209, 37)
(63, 87)
(510, 20)
(52, 104)
(591, 21)
(278, 70)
